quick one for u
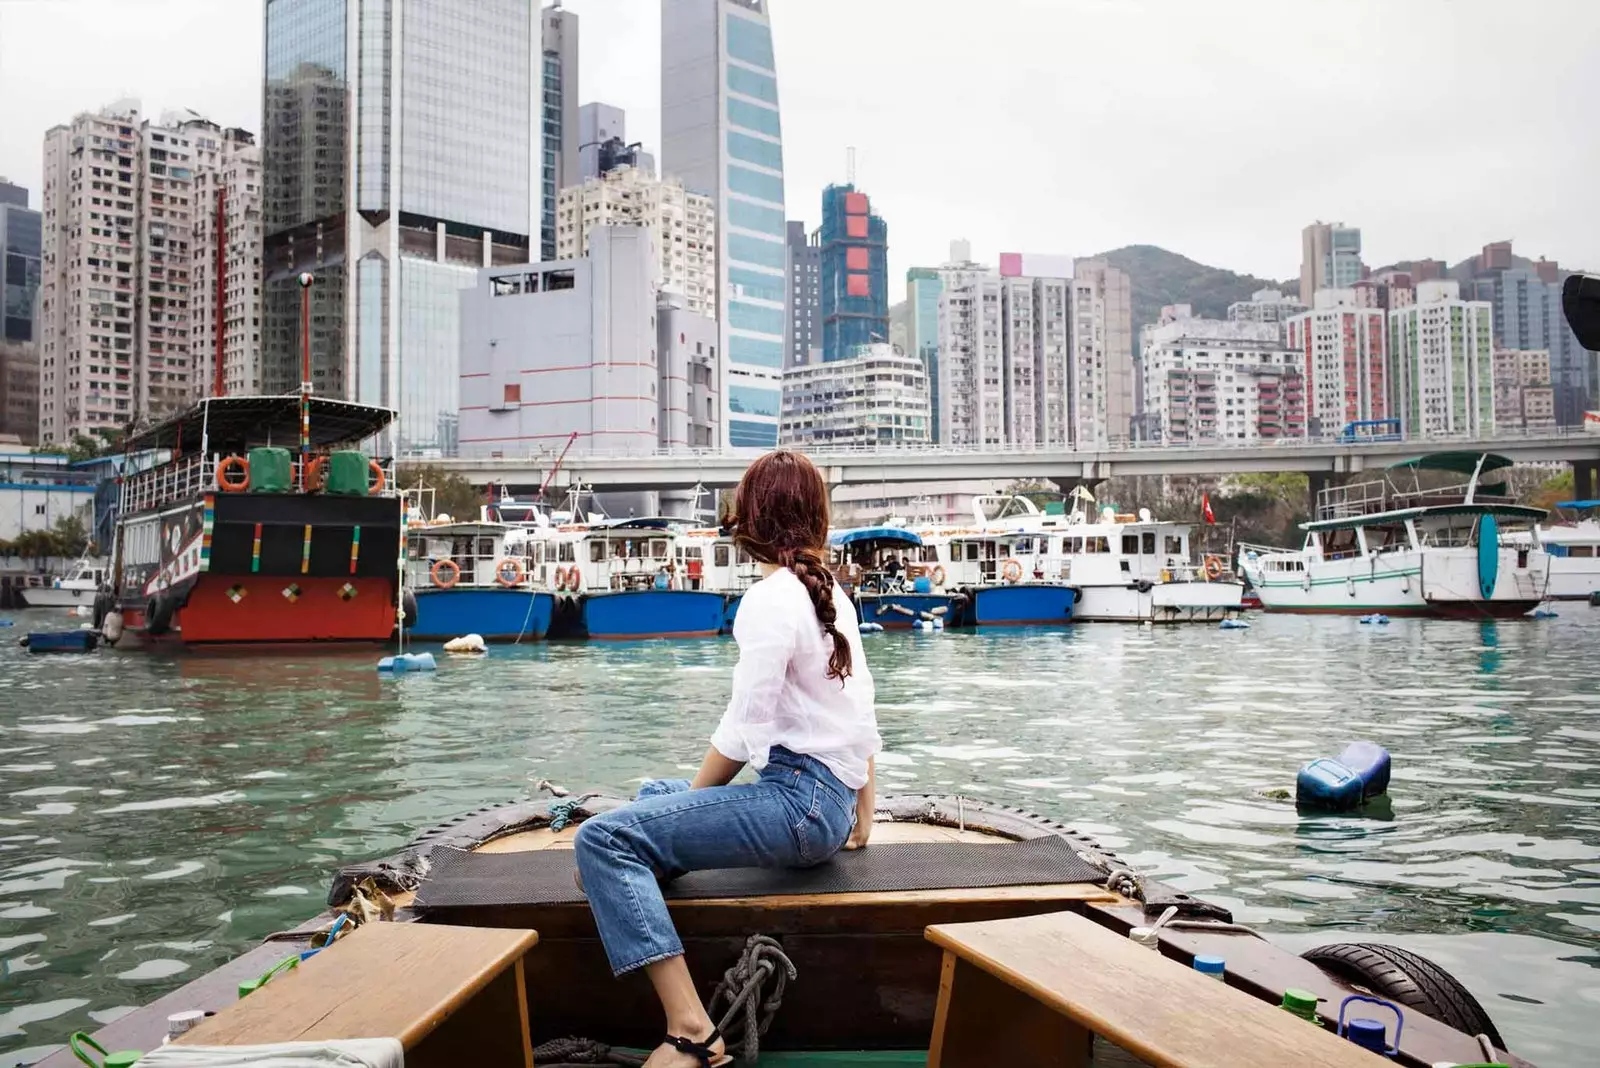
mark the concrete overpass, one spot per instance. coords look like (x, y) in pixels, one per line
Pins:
(1321, 460)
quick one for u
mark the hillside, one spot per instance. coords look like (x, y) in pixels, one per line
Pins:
(1160, 277)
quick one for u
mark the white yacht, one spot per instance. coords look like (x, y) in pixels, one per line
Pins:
(1375, 547)
(87, 578)
(1574, 548)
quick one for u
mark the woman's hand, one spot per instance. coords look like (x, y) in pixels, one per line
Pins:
(865, 804)
(859, 834)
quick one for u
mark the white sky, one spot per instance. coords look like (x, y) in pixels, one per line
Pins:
(1214, 128)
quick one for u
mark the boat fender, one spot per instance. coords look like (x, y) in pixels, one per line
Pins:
(158, 614)
(408, 605)
(1542, 613)
(871, 628)
(467, 643)
(1144, 585)
(1233, 624)
(1407, 979)
(1376, 617)
(112, 627)
(103, 603)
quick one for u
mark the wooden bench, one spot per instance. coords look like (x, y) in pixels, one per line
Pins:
(451, 995)
(1034, 990)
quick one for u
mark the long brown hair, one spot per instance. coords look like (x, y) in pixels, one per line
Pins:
(780, 516)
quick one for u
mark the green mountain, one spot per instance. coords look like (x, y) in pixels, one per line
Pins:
(1160, 277)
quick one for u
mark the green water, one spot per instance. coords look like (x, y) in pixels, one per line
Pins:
(163, 814)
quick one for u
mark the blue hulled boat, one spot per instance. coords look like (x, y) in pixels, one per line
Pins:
(474, 578)
(1022, 605)
(630, 583)
(634, 615)
(882, 568)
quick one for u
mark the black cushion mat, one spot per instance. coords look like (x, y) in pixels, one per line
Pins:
(458, 879)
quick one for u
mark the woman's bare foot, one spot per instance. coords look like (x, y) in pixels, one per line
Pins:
(668, 1056)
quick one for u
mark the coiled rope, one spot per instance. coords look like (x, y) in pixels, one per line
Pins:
(744, 989)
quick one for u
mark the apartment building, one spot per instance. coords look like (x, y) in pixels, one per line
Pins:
(225, 309)
(1265, 306)
(1343, 351)
(924, 285)
(1442, 351)
(1524, 398)
(1206, 380)
(1330, 258)
(1100, 361)
(878, 397)
(681, 224)
(115, 279)
(972, 365)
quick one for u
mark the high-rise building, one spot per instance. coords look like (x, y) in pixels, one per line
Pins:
(1386, 289)
(877, 397)
(1100, 361)
(971, 365)
(681, 224)
(1343, 351)
(1264, 306)
(720, 133)
(577, 350)
(21, 242)
(603, 143)
(802, 317)
(115, 278)
(1523, 396)
(923, 287)
(1330, 258)
(406, 145)
(855, 273)
(1208, 380)
(225, 321)
(1003, 358)
(1442, 352)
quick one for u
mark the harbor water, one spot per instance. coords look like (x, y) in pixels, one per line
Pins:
(163, 814)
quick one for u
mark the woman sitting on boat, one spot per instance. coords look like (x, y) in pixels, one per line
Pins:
(801, 715)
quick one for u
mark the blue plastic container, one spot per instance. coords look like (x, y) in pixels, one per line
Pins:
(62, 641)
(1233, 624)
(1339, 784)
(407, 662)
(1369, 1033)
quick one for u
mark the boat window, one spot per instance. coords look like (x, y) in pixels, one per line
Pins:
(1174, 544)
(1339, 544)
(1147, 543)
(972, 550)
(567, 552)
(719, 556)
(485, 546)
(1386, 539)
(1130, 545)
(597, 551)
(658, 548)
(930, 554)
(1098, 545)
(1125, 568)
(742, 556)
(537, 552)
(1585, 552)
(693, 552)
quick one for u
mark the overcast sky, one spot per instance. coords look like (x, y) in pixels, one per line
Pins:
(1216, 129)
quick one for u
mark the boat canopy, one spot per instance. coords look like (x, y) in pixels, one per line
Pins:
(238, 423)
(896, 535)
(1400, 515)
(1578, 506)
(1462, 463)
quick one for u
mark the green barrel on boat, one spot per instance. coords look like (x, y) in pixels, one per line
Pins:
(270, 470)
(347, 473)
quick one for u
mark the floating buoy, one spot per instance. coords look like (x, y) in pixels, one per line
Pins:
(1358, 774)
(112, 627)
(1233, 624)
(467, 643)
(7, 623)
(1376, 617)
(1542, 613)
(871, 628)
(927, 624)
(407, 662)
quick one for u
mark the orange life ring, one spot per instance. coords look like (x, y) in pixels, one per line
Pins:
(574, 579)
(375, 469)
(315, 474)
(1010, 570)
(1213, 568)
(234, 463)
(439, 580)
(938, 575)
(516, 574)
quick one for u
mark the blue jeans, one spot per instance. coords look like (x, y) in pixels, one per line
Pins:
(797, 814)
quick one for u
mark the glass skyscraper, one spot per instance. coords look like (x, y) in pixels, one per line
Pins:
(855, 273)
(406, 144)
(721, 134)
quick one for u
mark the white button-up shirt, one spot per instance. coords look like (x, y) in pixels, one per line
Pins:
(781, 691)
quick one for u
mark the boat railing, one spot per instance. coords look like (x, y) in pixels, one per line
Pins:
(1446, 495)
(1355, 499)
(191, 476)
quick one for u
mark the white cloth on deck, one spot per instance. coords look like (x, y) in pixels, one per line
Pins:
(334, 1053)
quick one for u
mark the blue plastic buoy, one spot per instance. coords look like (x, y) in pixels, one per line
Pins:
(1542, 613)
(1339, 784)
(6, 623)
(1233, 624)
(871, 628)
(408, 662)
(1376, 617)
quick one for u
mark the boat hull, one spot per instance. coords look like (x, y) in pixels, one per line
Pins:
(636, 615)
(1437, 582)
(1023, 605)
(897, 611)
(216, 609)
(497, 614)
(55, 597)
(1571, 578)
(1161, 602)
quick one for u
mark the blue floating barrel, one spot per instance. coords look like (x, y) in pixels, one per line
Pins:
(61, 641)
(407, 662)
(1370, 762)
(1358, 774)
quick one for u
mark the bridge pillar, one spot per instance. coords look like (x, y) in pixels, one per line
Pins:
(1585, 480)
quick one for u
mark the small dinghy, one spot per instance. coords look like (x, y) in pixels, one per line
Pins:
(965, 934)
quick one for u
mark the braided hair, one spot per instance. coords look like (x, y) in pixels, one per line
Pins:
(780, 516)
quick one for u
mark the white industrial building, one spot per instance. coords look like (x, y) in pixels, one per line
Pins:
(571, 351)
(682, 223)
(877, 397)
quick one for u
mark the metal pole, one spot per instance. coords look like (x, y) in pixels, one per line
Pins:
(306, 280)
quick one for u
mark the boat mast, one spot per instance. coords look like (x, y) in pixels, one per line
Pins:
(306, 280)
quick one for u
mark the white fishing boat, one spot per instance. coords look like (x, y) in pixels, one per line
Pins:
(1574, 548)
(88, 577)
(1379, 547)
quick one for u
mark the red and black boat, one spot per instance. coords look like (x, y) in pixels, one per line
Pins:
(262, 521)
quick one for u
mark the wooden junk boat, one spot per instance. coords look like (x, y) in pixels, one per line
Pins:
(965, 934)
(260, 520)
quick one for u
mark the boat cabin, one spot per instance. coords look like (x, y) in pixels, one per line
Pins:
(636, 553)
(467, 555)
(880, 559)
(708, 559)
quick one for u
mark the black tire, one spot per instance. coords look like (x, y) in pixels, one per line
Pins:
(1408, 979)
(158, 615)
(103, 604)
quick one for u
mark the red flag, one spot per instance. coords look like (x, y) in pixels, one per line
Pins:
(1205, 509)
